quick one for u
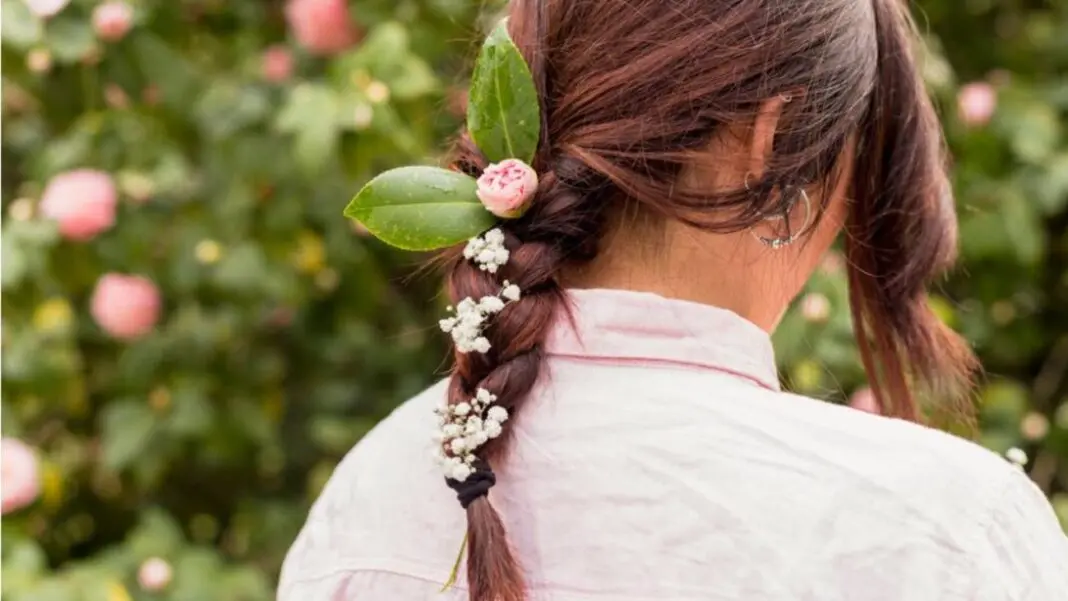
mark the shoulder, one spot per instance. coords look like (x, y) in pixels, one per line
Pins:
(945, 478)
(385, 507)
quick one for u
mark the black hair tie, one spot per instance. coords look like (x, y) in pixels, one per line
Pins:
(475, 486)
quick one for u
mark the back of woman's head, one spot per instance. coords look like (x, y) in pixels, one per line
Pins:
(632, 92)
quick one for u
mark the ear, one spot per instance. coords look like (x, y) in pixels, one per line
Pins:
(763, 138)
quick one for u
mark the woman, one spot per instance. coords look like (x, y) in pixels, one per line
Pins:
(695, 161)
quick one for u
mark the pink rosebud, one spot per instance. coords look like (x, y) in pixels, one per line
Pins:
(19, 480)
(116, 97)
(46, 8)
(82, 201)
(321, 26)
(815, 307)
(976, 103)
(155, 574)
(277, 64)
(125, 306)
(864, 400)
(506, 188)
(112, 20)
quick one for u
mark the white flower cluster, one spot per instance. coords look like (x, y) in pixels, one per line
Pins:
(464, 428)
(466, 325)
(487, 251)
(1016, 457)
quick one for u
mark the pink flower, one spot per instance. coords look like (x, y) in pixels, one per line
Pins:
(19, 481)
(506, 188)
(82, 201)
(112, 20)
(321, 26)
(46, 8)
(976, 103)
(125, 306)
(815, 307)
(155, 574)
(864, 400)
(277, 64)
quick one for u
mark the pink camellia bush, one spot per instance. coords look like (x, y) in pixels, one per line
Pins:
(20, 482)
(277, 64)
(46, 8)
(506, 188)
(81, 201)
(154, 574)
(864, 400)
(125, 306)
(322, 27)
(112, 20)
(976, 103)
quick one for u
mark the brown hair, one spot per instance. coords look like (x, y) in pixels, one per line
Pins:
(631, 91)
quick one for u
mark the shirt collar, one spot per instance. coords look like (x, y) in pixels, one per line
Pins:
(644, 327)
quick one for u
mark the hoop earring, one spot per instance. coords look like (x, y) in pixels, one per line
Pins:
(777, 243)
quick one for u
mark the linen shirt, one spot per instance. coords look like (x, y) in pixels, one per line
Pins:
(658, 459)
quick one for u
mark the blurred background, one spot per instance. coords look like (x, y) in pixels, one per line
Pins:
(193, 336)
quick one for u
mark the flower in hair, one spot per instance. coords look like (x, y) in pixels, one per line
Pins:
(506, 188)
(464, 428)
(487, 251)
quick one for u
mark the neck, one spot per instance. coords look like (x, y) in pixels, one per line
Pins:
(730, 271)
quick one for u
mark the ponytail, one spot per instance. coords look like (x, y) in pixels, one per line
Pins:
(901, 232)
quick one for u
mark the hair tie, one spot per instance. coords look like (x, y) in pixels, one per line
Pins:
(475, 486)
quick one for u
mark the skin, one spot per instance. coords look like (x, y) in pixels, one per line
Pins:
(732, 271)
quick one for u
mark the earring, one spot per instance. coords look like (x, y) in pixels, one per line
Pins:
(790, 238)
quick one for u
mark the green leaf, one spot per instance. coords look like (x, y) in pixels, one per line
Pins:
(420, 208)
(19, 27)
(70, 39)
(126, 430)
(503, 115)
(312, 113)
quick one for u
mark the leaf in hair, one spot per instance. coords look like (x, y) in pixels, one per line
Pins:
(503, 115)
(420, 208)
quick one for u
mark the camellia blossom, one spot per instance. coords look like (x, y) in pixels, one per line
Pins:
(20, 482)
(976, 103)
(322, 27)
(82, 202)
(46, 8)
(506, 188)
(815, 307)
(125, 306)
(112, 20)
(277, 64)
(864, 400)
(154, 574)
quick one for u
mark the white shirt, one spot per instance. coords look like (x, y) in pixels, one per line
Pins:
(657, 459)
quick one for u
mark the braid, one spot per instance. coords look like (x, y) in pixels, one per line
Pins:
(558, 229)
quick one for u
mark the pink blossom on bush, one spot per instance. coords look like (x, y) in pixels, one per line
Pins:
(81, 201)
(112, 20)
(277, 64)
(506, 188)
(154, 574)
(815, 307)
(19, 479)
(125, 306)
(46, 8)
(321, 26)
(864, 400)
(976, 103)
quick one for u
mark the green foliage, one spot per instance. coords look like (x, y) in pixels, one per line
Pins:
(286, 332)
(420, 208)
(503, 114)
